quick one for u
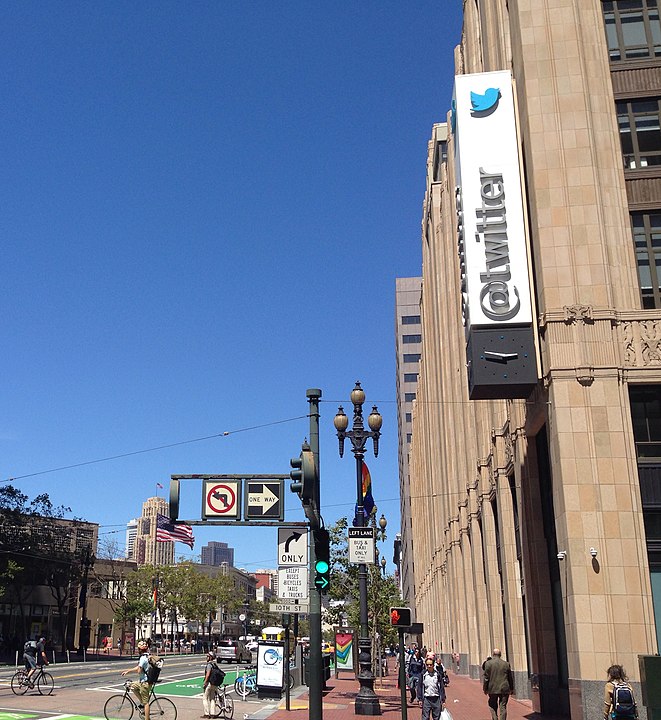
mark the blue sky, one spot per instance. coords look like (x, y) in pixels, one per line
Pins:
(205, 206)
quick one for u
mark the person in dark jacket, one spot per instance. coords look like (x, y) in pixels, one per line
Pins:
(416, 666)
(498, 684)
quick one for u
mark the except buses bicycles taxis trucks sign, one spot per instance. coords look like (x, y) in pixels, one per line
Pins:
(221, 499)
(361, 546)
(293, 583)
(270, 667)
(263, 499)
(292, 547)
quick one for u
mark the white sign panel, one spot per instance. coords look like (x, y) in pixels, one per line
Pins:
(489, 202)
(362, 546)
(270, 665)
(287, 607)
(293, 583)
(292, 546)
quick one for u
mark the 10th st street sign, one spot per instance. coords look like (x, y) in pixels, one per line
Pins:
(263, 500)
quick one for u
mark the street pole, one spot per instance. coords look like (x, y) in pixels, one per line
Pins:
(316, 681)
(367, 703)
(402, 674)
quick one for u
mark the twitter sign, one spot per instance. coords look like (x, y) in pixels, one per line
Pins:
(489, 203)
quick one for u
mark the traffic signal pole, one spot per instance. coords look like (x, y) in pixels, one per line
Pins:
(316, 681)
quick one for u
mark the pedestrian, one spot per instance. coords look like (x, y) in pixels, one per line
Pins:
(141, 688)
(416, 667)
(432, 690)
(498, 684)
(619, 701)
(213, 678)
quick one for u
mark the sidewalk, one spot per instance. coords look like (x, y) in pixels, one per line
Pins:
(465, 701)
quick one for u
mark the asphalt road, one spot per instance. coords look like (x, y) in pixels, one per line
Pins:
(81, 690)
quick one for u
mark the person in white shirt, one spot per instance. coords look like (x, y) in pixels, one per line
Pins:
(432, 691)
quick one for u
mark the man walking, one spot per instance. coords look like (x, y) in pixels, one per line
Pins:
(432, 691)
(498, 684)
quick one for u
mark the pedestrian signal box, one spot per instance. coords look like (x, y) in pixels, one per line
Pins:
(400, 617)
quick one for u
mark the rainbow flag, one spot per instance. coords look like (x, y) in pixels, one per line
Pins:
(154, 598)
(368, 500)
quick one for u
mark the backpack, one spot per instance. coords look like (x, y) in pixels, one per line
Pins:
(216, 676)
(154, 669)
(30, 647)
(624, 705)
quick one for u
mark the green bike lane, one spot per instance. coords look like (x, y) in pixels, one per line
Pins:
(187, 687)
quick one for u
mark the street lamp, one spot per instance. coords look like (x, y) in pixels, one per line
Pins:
(367, 702)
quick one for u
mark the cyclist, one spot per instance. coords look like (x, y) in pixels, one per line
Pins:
(30, 659)
(213, 678)
(141, 688)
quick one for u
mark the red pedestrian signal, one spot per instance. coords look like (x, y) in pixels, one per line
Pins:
(400, 617)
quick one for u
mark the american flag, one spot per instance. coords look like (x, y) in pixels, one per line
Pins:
(167, 531)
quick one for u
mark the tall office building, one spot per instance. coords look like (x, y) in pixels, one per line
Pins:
(216, 553)
(535, 459)
(408, 343)
(147, 550)
(131, 534)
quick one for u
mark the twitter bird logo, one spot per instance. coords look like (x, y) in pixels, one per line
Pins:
(483, 105)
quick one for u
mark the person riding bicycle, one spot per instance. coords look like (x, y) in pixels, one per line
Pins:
(141, 688)
(210, 685)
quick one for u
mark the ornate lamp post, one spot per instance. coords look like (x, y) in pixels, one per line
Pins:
(367, 703)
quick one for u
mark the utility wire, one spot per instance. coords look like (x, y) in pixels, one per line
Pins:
(226, 433)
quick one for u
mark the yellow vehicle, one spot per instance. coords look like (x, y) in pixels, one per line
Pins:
(273, 633)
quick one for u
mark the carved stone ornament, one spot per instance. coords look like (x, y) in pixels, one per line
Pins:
(574, 313)
(585, 375)
(642, 343)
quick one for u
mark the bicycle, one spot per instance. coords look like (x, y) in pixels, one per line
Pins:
(245, 685)
(43, 681)
(122, 707)
(223, 704)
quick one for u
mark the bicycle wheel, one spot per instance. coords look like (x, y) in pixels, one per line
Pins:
(45, 683)
(227, 710)
(19, 683)
(118, 707)
(241, 686)
(162, 708)
(217, 705)
(291, 681)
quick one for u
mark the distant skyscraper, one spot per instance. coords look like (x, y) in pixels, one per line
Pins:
(408, 334)
(131, 534)
(146, 550)
(217, 553)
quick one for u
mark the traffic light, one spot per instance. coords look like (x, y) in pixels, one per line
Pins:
(400, 617)
(304, 474)
(322, 559)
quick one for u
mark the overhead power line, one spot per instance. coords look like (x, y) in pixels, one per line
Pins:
(226, 433)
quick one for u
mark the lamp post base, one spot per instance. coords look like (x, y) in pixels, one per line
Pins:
(367, 703)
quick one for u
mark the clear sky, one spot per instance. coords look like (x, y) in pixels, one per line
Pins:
(204, 209)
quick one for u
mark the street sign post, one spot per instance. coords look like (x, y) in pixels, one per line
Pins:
(361, 546)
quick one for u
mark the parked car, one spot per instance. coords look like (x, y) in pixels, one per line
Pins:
(252, 646)
(234, 651)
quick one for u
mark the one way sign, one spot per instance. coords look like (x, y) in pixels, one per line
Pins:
(264, 500)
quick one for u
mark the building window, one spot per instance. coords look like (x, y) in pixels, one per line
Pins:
(411, 339)
(410, 377)
(408, 437)
(646, 420)
(633, 30)
(411, 357)
(408, 417)
(640, 134)
(440, 156)
(409, 397)
(647, 241)
(410, 319)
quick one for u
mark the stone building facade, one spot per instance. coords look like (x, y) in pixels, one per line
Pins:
(536, 521)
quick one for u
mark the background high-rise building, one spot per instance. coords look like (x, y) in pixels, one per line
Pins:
(408, 344)
(216, 553)
(131, 534)
(536, 516)
(147, 550)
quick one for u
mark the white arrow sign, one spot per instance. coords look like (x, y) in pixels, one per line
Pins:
(292, 546)
(264, 499)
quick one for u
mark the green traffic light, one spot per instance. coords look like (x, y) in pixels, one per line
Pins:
(321, 566)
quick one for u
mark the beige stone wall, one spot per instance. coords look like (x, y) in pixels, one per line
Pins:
(467, 457)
